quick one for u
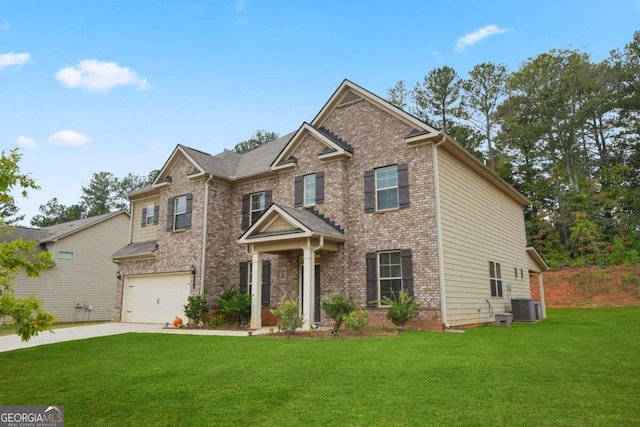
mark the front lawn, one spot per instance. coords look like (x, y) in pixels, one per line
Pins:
(580, 367)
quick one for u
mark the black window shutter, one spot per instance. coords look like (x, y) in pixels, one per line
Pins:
(266, 283)
(268, 199)
(156, 214)
(407, 270)
(403, 186)
(298, 191)
(187, 215)
(244, 271)
(144, 217)
(170, 213)
(369, 190)
(246, 202)
(372, 279)
(319, 187)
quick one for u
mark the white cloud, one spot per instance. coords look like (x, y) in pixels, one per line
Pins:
(477, 35)
(69, 138)
(5, 27)
(26, 142)
(9, 59)
(98, 76)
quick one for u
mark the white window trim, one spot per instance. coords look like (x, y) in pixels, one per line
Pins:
(378, 189)
(380, 278)
(177, 212)
(309, 198)
(149, 219)
(256, 212)
(71, 255)
(497, 268)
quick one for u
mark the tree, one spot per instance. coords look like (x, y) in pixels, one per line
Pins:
(53, 212)
(16, 255)
(258, 139)
(482, 92)
(9, 213)
(437, 98)
(399, 95)
(101, 195)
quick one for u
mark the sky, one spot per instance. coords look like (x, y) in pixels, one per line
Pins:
(114, 86)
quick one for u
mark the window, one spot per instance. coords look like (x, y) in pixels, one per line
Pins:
(257, 206)
(65, 255)
(310, 190)
(253, 205)
(388, 272)
(179, 212)
(515, 270)
(521, 274)
(149, 215)
(495, 278)
(246, 269)
(386, 188)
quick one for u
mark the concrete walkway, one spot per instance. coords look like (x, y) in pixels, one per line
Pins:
(13, 342)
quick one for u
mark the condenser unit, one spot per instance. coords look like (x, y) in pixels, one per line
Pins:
(523, 309)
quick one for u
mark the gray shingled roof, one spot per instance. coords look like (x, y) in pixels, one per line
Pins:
(312, 222)
(232, 165)
(136, 249)
(54, 232)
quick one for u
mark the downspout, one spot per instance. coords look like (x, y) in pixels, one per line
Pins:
(203, 256)
(436, 179)
(130, 221)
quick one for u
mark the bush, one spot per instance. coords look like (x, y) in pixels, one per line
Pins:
(196, 308)
(234, 306)
(338, 308)
(215, 321)
(288, 315)
(358, 321)
(402, 308)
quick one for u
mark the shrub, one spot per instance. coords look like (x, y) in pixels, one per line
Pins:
(338, 308)
(196, 308)
(215, 321)
(402, 308)
(288, 315)
(358, 321)
(234, 306)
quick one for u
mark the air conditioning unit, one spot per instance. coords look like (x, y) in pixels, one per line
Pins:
(523, 309)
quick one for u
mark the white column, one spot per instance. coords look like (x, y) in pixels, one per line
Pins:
(256, 290)
(542, 303)
(308, 287)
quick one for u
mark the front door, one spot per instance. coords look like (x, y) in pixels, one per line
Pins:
(316, 300)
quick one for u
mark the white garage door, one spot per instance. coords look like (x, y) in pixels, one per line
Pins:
(156, 298)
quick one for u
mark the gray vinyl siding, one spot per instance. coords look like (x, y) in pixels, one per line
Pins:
(479, 224)
(89, 278)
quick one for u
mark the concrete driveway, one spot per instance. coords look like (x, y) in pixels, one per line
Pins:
(12, 342)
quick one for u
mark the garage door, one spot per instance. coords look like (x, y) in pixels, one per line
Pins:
(156, 298)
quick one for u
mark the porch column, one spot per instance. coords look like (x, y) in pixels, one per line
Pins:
(542, 303)
(308, 287)
(256, 290)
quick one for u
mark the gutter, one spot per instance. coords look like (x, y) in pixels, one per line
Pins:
(436, 181)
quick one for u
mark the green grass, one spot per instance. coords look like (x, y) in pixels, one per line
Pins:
(581, 367)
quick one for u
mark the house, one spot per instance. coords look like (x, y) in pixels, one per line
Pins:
(80, 285)
(363, 200)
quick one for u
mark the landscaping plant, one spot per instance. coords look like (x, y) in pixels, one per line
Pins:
(196, 308)
(288, 315)
(358, 321)
(338, 308)
(235, 307)
(402, 308)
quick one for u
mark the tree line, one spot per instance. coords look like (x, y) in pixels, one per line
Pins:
(563, 130)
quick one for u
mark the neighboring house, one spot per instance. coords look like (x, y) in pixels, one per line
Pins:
(81, 284)
(362, 201)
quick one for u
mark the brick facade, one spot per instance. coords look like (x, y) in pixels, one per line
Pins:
(378, 140)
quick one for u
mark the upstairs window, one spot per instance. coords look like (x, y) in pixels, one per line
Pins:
(310, 190)
(253, 205)
(386, 188)
(150, 214)
(179, 212)
(495, 279)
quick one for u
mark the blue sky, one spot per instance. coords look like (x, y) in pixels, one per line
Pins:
(91, 86)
